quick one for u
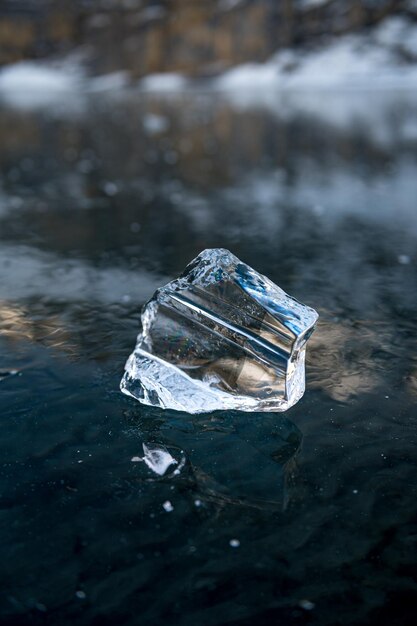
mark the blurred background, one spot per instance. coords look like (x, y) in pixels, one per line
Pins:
(198, 38)
(133, 135)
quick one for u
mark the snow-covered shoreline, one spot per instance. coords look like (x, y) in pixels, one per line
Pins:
(373, 60)
(385, 58)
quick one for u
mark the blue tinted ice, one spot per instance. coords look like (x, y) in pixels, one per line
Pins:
(221, 336)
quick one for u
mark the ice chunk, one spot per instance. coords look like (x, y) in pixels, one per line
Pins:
(158, 459)
(221, 336)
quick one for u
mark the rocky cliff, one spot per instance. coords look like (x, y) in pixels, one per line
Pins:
(196, 37)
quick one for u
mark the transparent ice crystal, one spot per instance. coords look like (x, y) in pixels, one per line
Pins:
(221, 336)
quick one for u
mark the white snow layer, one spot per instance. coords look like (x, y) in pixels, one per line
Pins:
(374, 60)
(31, 85)
(164, 82)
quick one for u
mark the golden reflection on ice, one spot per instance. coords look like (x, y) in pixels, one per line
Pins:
(16, 325)
(14, 322)
(341, 357)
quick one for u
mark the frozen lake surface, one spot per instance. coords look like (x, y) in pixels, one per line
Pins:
(113, 512)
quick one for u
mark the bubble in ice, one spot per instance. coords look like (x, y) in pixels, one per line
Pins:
(307, 605)
(80, 594)
(221, 336)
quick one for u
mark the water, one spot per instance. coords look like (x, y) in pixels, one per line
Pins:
(295, 518)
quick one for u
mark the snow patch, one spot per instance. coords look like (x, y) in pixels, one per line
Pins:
(108, 82)
(350, 61)
(59, 87)
(165, 83)
(398, 32)
(30, 85)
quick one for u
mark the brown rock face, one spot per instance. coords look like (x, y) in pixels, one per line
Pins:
(196, 37)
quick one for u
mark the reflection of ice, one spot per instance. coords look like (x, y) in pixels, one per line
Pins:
(243, 459)
(343, 362)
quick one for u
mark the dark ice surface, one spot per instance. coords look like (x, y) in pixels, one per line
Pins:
(307, 517)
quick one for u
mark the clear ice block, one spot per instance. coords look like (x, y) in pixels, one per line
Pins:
(221, 336)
